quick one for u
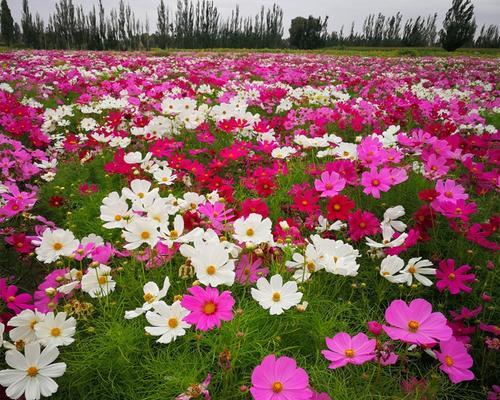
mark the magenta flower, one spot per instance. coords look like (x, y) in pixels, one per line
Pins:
(416, 323)
(345, 350)
(449, 190)
(455, 360)
(453, 279)
(279, 379)
(249, 272)
(16, 302)
(208, 307)
(374, 327)
(375, 182)
(330, 184)
(320, 396)
(216, 214)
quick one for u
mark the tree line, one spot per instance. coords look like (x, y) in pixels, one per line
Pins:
(199, 24)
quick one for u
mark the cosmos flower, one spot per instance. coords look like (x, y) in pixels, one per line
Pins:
(31, 373)
(167, 321)
(280, 379)
(275, 296)
(54, 244)
(455, 361)
(344, 349)
(454, 280)
(416, 323)
(207, 307)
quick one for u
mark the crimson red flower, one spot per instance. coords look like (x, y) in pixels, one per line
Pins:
(362, 223)
(428, 195)
(338, 207)
(56, 201)
(257, 206)
(20, 242)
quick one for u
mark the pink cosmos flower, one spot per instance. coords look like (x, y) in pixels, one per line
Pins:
(279, 379)
(330, 184)
(344, 349)
(320, 396)
(455, 360)
(375, 182)
(249, 272)
(208, 307)
(216, 214)
(454, 280)
(16, 302)
(374, 327)
(449, 190)
(361, 224)
(416, 323)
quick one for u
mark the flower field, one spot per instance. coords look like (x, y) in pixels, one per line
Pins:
(248, 226)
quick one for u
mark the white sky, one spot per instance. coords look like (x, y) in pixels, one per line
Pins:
(340, 12)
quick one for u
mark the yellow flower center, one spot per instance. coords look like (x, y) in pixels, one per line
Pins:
(32, 371)
(55, 332)
(451, 276)
(118, 217)
(349, 353)
(172, 323)
(209, 308)
(277, 387)
(149, 298)
(336, 207)
(102, 279)
(250, 232)
(413, 326)
(276, 296)
(140, 195)
(412, 269)
(145, 235)
(57, 246)
(10, 299)
(448, 361)
(174, 234)
(211, 269)
(33, 323)
(375, 182)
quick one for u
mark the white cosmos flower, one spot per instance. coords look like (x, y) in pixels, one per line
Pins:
(152, 295)
(305, 266)
(324, 225)
(141, 230)
(160, 210)
(56, 330)
(190, 201)
(335, 256)
(165, 176)
(168, 321)
(417, 268)
(2, 330)
(24, 325)
(140, 194)
(390, 224)
(390, 266)
(54, 244)
(31, 373)
(115, 211)
(73, 278)
(97, 282)
(212, 264)
(387, 241)
(253, 230)
(275, 296)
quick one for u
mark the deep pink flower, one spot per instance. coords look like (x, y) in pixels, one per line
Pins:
(374, 327)
(455, 360)
(320, 396)
(344, 349)
(257, 206)
(465, 313)
(208, 307)
(453, 279)
(20, 242)
(15, 302)
(279, 379)
(416, 323)
(375, 182)
(330, 184)
(361, 224)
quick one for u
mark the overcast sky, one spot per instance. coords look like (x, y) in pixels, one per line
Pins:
(340, 12)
